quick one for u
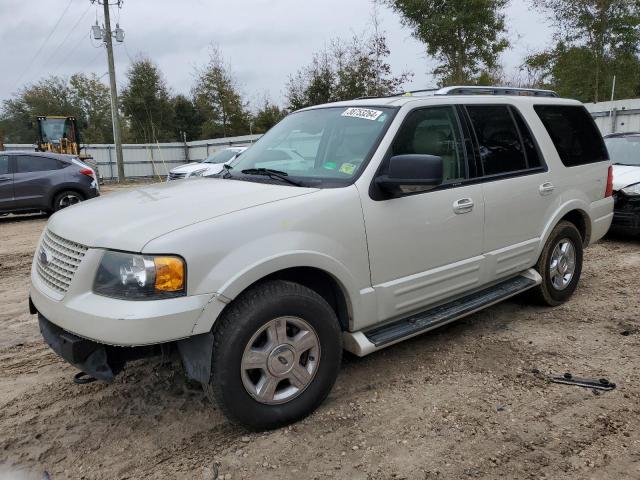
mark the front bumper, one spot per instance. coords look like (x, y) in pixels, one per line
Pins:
(101, 361)
(104, 362)
(113, 321)
(626, 214)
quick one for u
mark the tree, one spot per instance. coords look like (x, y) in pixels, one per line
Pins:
(594, 40)
(218, 98)
(344, 71)
(187, 118)
(465, 36)
(92, 98)
(82, 96)
(146, 104)
(267, 116)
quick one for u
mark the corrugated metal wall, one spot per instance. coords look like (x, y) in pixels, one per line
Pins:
(616, 116)
(148, 160)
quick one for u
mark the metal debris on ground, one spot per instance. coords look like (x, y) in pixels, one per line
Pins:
(569, 379)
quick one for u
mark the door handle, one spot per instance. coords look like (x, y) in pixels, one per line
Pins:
(4, 179)
(464, 205)
(546, 188)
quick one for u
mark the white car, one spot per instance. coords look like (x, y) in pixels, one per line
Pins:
(212, 165)
(624, 149)
(352, 225)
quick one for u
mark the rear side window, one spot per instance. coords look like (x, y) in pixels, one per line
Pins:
(499, 141)
(4, 164)
(574, 134)
(26, 163)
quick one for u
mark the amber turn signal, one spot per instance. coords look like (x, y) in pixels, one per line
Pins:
(169, 274)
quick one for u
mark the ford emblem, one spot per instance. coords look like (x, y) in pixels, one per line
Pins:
(44, 257)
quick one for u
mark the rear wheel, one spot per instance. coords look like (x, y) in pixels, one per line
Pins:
(277, 352)
(560, 265)
(66, 199)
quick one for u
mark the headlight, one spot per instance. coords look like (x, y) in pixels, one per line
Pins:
(631, 189)
(198, 173)
(140, 277)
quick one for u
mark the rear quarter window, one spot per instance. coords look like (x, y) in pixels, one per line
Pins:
(27, 163)
(574, 134)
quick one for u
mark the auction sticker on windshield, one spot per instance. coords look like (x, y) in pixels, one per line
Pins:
(366, 113)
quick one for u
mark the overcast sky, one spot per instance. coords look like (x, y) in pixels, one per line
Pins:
(264, 40)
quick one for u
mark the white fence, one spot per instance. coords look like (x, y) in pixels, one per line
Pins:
(149, 160)
(616, 116)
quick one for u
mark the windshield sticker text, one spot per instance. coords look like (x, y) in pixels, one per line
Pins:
(366, 113)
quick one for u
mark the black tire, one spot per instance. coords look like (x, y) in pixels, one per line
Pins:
(65, 199)
(547, 292)
(240, 321)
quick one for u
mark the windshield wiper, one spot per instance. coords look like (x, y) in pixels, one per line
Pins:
(268, 172)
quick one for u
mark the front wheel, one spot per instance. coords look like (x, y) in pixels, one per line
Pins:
(560, 265)
(276, 355)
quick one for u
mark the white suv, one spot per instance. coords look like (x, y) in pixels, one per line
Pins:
(352, 225)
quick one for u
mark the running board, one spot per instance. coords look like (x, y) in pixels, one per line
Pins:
(397, 330)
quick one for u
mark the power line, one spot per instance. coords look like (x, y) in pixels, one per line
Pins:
(93, 59)
(70, 52)
(43, 44)
(68, 35)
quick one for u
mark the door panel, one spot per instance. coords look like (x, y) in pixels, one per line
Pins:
(6, 184)
(426, 247)
(421, 251)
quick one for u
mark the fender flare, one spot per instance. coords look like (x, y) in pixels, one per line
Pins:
(561, 212)
(256, 271)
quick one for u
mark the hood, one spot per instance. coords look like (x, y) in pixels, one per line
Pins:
(128, 220)
(625, 175)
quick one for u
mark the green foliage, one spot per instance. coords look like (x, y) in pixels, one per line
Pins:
(187, 118)
(267, 116)
(217, 97)
(595, 40)
(146, 104)
(82, 96)
(344, 71)
(466, 37)
(92, 98)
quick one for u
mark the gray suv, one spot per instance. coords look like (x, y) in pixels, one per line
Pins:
(35, 181)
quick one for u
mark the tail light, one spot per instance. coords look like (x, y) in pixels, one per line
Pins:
(87, 171)
(609, 190)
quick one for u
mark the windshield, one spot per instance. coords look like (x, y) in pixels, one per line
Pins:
(53, 129)
(624, 150)
(221, 156)
(320, 147)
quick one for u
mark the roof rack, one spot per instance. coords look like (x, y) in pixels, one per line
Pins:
(472, 90)
(476, 90)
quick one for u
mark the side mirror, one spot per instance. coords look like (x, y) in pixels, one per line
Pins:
(411, 173)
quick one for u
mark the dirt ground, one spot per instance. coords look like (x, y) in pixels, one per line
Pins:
(458, 403)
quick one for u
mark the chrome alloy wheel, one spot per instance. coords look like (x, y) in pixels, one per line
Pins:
(563, 264)
(68, 200)
(280, 360)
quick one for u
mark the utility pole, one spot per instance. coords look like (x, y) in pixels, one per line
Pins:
(115, 117)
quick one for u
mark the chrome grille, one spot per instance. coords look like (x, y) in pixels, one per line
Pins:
(177, 175)
(57, 260)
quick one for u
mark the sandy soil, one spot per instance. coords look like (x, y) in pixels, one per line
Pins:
(458, 403)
